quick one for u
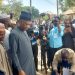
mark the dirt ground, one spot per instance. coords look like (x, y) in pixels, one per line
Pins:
(39, 64)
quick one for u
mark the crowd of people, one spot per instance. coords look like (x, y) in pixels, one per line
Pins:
(59, 36)
(19, 47)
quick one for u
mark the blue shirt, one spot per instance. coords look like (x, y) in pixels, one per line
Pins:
(33, 41)
(55, 37)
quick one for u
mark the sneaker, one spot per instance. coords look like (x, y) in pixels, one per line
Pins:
(48, 70)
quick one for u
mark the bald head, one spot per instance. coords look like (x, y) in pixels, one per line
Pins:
(2, 25)
(2, 31)
(64, 53)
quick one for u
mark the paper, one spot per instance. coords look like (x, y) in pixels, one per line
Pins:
(66, 71)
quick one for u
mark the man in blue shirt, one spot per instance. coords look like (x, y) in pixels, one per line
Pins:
(34, 48)
(55, 37)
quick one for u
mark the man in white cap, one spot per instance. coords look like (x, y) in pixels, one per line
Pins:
(4, 63)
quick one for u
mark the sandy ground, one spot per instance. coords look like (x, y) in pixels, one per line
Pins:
(39, 64)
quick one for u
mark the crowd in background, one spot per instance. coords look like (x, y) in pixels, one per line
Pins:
(20, 41)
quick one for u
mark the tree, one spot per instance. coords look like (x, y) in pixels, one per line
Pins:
(5, 9)
(1, 2)
(35, 13)
(44, 16)
(70, 3)
(16, 6)
(16, 9)
(66, 4)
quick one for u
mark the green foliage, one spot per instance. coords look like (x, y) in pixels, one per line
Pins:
(12, 6)
(16, 7)
(44, 16)
(70, 3)
(66, 4)
(5, 9)
(35, 13)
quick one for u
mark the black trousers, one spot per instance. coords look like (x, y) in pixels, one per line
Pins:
(2, 73)
(48, 57)
(14, 70)
(52, 52)
(43, 56)
(35, 54)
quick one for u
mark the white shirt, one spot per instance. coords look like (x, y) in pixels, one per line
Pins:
(6, 39)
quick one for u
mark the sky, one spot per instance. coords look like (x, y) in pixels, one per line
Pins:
(43, 5)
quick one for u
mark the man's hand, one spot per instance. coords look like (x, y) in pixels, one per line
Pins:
(59, 29)
(70, 30)
(67, 30)
(22, 72)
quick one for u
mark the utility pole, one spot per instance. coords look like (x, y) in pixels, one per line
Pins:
(31, 6)
(57, 7)
(30, 3)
